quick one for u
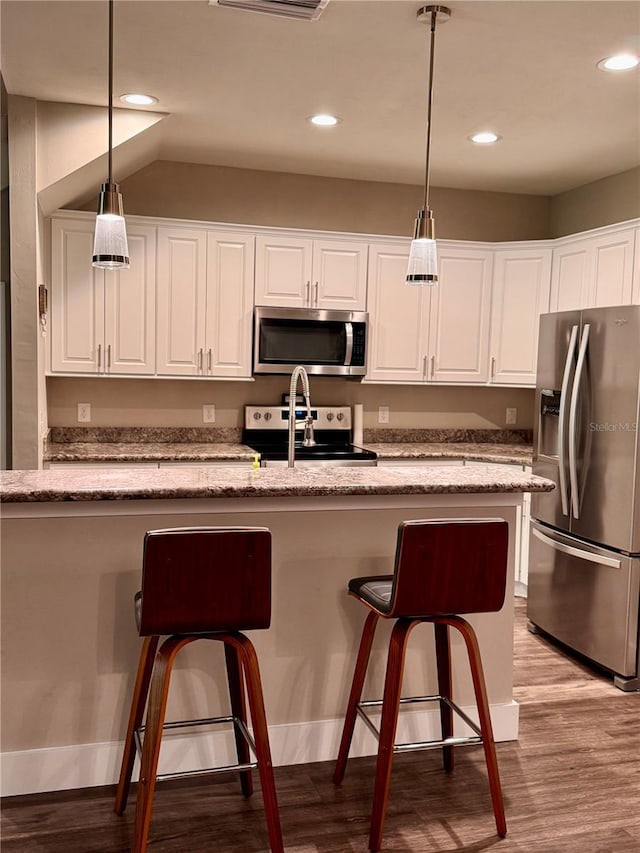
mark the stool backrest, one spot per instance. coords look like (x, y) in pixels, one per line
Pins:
(198, 580)
(450, 566)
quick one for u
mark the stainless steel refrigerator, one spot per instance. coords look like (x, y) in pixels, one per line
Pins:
(584, 558)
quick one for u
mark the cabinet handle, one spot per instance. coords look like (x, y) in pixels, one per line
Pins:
(424, 367)
(200, 358)
(315, 297)
(433, 366)
(307, 298)
(109, 357)
(209, 360)
(493, 366)
(99, 356)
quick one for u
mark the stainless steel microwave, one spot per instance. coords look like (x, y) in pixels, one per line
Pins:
(326, 343)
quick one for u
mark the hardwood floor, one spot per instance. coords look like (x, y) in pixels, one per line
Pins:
(571, 784)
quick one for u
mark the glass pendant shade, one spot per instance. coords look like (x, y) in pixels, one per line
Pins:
(110, 246)
(423, 262)
(423, 258)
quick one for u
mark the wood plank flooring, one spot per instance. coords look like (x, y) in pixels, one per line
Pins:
(571, 784)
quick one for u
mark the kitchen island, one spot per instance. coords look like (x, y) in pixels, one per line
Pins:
(71, 563)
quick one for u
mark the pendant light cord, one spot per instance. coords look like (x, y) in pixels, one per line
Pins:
(427, 165)
(110, 89)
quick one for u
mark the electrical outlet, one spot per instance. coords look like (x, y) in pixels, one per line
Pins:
(84, 413)
(511, 416)
(208, 414)
(383, 414)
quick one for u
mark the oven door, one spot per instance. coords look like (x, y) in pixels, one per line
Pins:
(319, 463)
(330, 343)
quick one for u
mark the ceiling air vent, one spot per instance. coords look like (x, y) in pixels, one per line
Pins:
(303, 10)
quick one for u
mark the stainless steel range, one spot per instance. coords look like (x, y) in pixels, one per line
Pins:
(266, 431)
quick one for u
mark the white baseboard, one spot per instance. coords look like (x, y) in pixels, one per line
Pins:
(87, 765)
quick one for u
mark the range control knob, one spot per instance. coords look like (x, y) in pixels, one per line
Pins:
(329, 416)
(267, 416)
(256, 416)
(340, 416)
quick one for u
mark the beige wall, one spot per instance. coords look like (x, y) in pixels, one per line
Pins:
(604, 202)
(220, 194)
(178, 402)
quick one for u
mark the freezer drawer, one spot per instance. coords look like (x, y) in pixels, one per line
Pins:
(586, 597)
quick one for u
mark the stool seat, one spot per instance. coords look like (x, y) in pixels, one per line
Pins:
(200, 583)
(443, 567)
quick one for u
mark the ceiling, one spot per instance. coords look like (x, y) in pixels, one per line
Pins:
(239, 86)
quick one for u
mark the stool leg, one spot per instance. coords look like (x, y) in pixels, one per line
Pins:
(443, 658)
(239, 710)
(138, 702)
(249, 661)
(486, 728)
(152, 737)
(388, 724)
(359, 674)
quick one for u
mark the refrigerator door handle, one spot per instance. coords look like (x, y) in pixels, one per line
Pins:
(601, 560)
(573, 417)
(564, 396)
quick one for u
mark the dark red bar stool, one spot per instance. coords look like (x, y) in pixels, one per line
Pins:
(200, 583)
(443, 567)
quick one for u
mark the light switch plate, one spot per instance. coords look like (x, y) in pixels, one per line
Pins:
(511, 416)
(84, 413)
(383, 414)
(208, 414)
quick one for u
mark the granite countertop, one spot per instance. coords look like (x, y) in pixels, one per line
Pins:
(520, 454)
(82, 485)
(183, 451)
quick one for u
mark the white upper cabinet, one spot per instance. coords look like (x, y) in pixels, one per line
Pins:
(205, 302)
(459, 317)
(594, 270)
(521, 284)
(305, 273)
(435, 334)
(102, 321)
(398, 318)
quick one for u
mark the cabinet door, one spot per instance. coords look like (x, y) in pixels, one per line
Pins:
(570, 275)
(283, 271)
(398, 319)
(459, 325)
(181, 282)
(229, 304)
(339, 275)
(521, 282)
(612, 269)
(130, 307)
(77, 299)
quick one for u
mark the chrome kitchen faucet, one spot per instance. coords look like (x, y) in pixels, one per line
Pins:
(308, 440)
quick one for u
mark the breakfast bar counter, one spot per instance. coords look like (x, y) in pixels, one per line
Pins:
(71, 564)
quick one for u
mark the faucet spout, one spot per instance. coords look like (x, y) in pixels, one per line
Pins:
(308, 441)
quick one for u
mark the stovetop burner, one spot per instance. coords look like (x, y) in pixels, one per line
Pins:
(266, 431)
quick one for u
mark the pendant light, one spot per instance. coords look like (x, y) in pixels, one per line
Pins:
(110, 248)
(423, 263)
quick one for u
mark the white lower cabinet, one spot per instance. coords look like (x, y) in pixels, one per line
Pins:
(102, 321)
(429, 334)
(205, 303)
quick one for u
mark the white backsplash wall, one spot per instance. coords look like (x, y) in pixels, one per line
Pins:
(179, 402)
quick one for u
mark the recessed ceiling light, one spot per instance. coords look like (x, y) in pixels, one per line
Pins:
(619, 62)
(486, 137)
(324, 120)
(139, 100)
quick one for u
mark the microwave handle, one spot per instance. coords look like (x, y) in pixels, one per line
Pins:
(348, 354)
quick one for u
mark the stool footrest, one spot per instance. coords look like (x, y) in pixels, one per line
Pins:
(430, 744)
(204, 721)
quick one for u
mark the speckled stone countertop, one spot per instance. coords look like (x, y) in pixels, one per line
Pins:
(71, 485)
(193, 444)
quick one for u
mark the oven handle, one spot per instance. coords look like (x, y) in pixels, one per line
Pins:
(348, 354)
